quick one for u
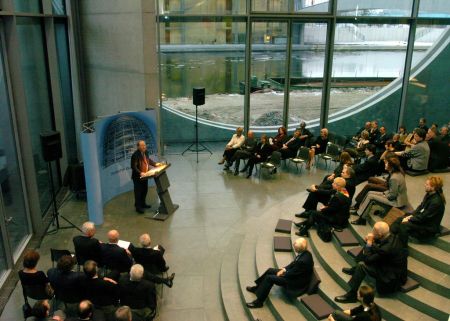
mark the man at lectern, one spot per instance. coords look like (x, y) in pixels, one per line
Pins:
(140, 162)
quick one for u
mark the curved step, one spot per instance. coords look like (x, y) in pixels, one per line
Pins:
(332, 261)
(229, 284)
(247, 275)
(428, 277)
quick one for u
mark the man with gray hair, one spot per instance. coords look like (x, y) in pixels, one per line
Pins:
(87, 247)
(137, 293)
(123, 313)
(295, 276)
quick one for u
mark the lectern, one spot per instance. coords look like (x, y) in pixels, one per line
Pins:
(166, 207)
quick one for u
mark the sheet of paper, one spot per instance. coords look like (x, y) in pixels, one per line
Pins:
(123, 244)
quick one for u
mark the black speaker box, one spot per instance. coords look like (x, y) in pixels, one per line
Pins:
(198, 96)
(51, 145)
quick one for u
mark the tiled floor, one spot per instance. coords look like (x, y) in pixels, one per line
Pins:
(215, 207)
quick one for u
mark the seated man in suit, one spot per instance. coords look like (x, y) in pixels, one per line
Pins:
(305, 134)
(86, 312)
(335, 213)
(67, 283)
(369, 168)
(152, 259)
(262, 152)
(244, 152)
(296, 275)
(416, 159)
(385, 259)
(124, 313)
(87, 247)
(114, 257)
(291, 147)
(425, 221)
(138, 293)
(42, 311)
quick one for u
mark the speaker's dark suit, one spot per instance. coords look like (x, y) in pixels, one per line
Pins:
(140, 185)
(298, 275)
(115, 258)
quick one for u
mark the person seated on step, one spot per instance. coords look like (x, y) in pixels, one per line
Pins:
(305, 134)
(290, 148)
(152, 259)
(137, 293)
(319, 146)
(367, 311)
(369, 168)
(396, 194)
(115, 258)
(439, 150)
(244, 152)
(281, 138)
(233, 145)
(322, 193)
(334, 214)
(416, 159)
(425, 221)
(295, 276)
(384, 259)
(66, 282)
(87, 247)
(42, 311)
(373, 184)
(262, 153)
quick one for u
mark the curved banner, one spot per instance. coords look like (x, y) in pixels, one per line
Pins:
(113, 140)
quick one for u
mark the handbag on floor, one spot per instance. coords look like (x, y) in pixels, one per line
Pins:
(324, 232)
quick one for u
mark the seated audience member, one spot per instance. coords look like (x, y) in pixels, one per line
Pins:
(334, 214)
(319, 146)
(425, 221)
(291, 147)
(233, 145)
(124, 313)
(67, 283)
(381, 140)
(244, 152)
(86, 312)
(416, 159)
(389, 149)
(396, 194)
(366, 128)
(281, 138)
(367, 311)
(324, 192)
(384, 258)
(87, 247)
(261, 154)
(369, 168)
(423, 124)
(41, 311)
(361, 144)
(102, 292)
(374, 132)
(114, 257)
(439, 150)
(34, 282)
(409, 141)
(396, 144)
(402, 134)
(305, 134)
(443, 134)
(295, 276)
(137, 293)
(152, 259)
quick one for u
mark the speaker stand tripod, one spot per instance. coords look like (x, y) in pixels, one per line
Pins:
(196, 147)
(55, 214)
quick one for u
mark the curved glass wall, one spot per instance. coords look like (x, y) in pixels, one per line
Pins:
(287, 70)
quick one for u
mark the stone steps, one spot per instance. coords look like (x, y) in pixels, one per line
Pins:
(428, 277)
(229, 284)
(333, 262)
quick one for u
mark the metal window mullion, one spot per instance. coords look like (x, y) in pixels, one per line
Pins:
(327, 72)
(287, 74)
(408, 62)
(248, 63)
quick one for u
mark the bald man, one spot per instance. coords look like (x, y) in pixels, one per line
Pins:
(115, 258)
(140, 162)
(294, 276)
(384, 258)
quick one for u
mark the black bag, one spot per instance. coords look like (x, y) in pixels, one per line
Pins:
(26, 310)
(324, 232)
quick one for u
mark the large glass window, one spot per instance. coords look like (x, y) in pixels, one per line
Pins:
(268, 67)
(40, 116)
(307, 66)
(33, 6)
(434, 8)
(12, 207)
(366, 59)
(392, 8)
(202, 6)
(290, 5)
(204, 54)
